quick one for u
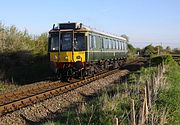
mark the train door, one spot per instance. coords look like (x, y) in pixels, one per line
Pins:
(66, 46)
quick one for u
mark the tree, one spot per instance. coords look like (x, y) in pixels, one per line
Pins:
(168, 49)
(131, 47)
(149, 50)
(159, 49)
(131, 52)
(176, 51)
(12, 40)
(41, 44)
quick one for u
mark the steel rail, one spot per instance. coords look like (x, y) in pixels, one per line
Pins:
(12, 101)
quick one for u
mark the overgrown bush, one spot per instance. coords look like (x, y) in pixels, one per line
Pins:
(23, 57)
(131, 52)
(166, 59)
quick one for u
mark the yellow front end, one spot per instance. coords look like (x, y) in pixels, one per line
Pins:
(68, 56)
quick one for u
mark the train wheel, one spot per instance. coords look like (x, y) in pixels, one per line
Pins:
(59, 75)
(90, 71)
(84, 73)
(115, 65)
(106, 65)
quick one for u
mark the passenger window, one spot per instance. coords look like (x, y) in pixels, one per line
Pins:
(98, 42)
(94, 41)
(125, 46)
(122, 45)
(103, 43)
(107, 42)
(117, 45)
(90, 39)
(110, 44)
(114, 44)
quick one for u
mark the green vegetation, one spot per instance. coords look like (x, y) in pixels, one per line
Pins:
(156, 60)
(158, 50)
(101, 110)
(150, 51)
(13, 40)
(113, 103)
(23, 57)
(159, 101)
(132, 52)
(170, 98)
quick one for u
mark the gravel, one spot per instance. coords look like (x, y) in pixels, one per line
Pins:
(40, 112)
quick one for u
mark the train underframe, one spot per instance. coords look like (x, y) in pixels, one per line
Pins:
(80, 70)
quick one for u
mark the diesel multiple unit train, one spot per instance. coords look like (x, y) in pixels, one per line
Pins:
(77, 50)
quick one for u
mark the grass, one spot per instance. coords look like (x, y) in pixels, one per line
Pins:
(101, 110)
(170, 98)
(115, 102)
(5, 86)
(112, 103)
(2, 87)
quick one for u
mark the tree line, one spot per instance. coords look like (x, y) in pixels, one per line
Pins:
(13, 40)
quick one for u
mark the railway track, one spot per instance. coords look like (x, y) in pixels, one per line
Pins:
(12, 101)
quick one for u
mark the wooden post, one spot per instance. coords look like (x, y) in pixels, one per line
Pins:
(143, 114)
(115, 121)
(145, 111)
(133, 118)
(148, 94)
(146, 105)
(152, 119)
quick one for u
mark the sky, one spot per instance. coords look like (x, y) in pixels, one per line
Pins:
(145, 22)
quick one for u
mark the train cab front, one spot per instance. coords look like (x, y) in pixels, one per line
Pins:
(66, 51)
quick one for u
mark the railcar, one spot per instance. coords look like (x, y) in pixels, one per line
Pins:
(77, 50)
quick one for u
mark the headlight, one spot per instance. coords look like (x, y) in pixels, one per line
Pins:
(66, 58)
(78, 57)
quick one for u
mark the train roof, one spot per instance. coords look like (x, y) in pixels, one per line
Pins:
(103, 33)
(80, 27)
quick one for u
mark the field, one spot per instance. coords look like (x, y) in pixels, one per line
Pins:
(127, 103)
(148, 96)
(170, 98)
